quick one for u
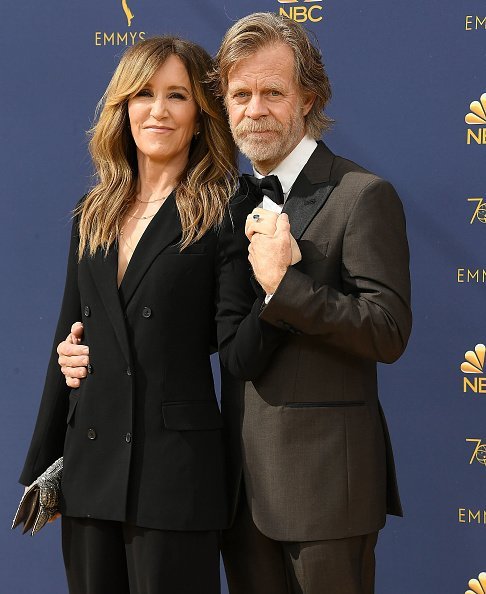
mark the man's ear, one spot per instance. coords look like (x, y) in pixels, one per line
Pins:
(308, 99)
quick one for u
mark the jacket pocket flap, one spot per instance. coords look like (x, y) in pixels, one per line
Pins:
(327, 404)
(194, 415)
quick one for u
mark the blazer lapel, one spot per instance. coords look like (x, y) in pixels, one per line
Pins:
(104, 272)
(164, 230)
(310, 190)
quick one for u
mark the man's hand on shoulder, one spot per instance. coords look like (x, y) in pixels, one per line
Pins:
(73, 357)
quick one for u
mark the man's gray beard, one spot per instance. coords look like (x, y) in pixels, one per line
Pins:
(258, 151)
(264, 149)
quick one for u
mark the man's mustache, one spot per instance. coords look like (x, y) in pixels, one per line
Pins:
(262, 125)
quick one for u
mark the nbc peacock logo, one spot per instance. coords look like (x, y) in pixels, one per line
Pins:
(477, 586)
(474, 366)
(476, 117)
(474, 362)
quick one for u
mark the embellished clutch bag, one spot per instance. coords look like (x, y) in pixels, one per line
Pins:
(40, 502)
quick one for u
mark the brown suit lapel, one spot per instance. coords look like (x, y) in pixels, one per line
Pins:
(310, 190)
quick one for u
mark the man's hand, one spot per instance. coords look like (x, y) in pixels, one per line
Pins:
(270, 256)
(266, 224)
(73, 357)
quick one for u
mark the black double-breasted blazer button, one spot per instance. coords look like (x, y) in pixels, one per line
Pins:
(128, 437)
(146, 312)
(90, 368)
(91, 434)
(87, 311)
(129, 371)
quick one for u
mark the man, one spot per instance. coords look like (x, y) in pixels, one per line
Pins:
(317, 466)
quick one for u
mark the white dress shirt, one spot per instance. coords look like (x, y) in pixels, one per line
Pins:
(288, 171)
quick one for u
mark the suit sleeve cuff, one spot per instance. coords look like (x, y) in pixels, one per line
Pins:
(278, 310)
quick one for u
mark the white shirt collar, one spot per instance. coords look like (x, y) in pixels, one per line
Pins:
(289, 169)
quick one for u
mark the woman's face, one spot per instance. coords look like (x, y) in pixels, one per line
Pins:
(163, 115)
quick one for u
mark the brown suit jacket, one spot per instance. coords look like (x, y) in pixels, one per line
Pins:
(317, 459)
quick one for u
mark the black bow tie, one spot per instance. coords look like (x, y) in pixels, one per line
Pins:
(266, 186)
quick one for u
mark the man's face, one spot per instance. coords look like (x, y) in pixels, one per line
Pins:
(266, 107)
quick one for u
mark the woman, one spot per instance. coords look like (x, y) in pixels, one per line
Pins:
(155, 258)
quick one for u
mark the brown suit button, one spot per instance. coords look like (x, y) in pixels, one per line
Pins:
(87, 311)
(91, 434)
(89, 368)
(146, 312)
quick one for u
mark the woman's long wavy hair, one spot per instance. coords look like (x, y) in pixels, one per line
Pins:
(208, 180)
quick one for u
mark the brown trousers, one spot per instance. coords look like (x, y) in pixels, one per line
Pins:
(256, 564)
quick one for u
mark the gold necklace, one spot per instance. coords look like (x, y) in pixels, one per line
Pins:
(155, 199)
(142, 218)
(151, 201)
(148, 202)
(126, 242)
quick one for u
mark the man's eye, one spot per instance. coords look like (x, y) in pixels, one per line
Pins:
(275, 93)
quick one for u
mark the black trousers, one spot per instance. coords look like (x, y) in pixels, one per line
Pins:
(103, 557)
(256, 564)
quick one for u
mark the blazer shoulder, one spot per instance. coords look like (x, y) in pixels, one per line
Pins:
(231, 232)
(239, 207)
(354, 178)
(243, 200)
(345, 167)
(324, 166)
(77, 210)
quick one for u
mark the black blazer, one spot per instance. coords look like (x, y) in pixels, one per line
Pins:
(141, 437)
